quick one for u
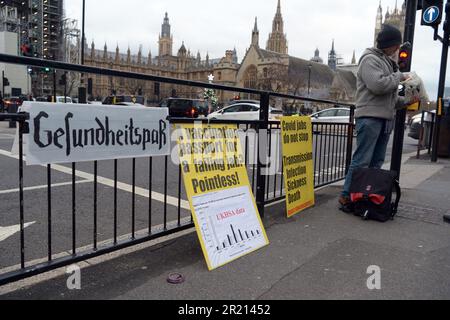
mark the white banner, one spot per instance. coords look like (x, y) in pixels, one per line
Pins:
(64, 133)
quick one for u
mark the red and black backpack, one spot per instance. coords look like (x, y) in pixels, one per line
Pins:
(371, 194)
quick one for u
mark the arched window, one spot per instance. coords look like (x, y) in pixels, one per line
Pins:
(251, 77)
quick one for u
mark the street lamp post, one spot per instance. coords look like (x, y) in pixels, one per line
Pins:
(82, 31)
(82, 89)
(400, 119)
(309, 85)
(309, 80)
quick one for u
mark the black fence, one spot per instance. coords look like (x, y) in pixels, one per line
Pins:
(422, 130)
(112, 205)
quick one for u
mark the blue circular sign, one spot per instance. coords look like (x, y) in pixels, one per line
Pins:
(431, 14)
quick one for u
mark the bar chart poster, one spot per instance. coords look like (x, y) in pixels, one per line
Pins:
(223, 207)
(229, 225)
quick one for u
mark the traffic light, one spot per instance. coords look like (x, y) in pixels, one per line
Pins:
(405, 55)
(46, 70)
(140, 92)
(432, 12)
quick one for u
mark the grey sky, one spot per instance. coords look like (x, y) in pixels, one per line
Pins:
(215, 26)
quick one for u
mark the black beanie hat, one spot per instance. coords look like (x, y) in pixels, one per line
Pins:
(389, 36)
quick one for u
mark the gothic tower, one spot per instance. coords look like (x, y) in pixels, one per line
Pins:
(255, 34)
(379, 22)
(332, 58)
(277, 39)
(396, 18)
(165, 38)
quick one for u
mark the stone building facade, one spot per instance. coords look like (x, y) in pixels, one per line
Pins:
(273, 69)
(184, 65)
(270, 69)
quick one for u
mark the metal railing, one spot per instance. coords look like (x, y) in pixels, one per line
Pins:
(158, 205)
(424, 131)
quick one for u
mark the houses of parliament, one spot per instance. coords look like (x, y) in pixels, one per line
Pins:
(270, 68)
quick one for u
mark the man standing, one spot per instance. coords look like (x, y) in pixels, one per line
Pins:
(377, 99)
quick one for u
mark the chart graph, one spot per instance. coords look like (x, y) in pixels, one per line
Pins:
(236, 236)
(229, 224)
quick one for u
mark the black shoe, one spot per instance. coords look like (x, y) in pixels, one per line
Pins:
(346, 205)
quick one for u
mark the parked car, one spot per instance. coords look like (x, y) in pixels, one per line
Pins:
(275, 114)
(334, 115)
(244, 111)
(185, 108)
(12, 104)
(95, 102)
(124, 98)
(244, 101)
(61, 99)
(130, 104)
(416, 124)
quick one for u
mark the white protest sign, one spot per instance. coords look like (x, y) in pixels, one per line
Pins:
(64, 133)
(229, 225)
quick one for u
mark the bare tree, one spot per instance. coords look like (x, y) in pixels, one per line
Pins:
(273, 78)
(71, 47)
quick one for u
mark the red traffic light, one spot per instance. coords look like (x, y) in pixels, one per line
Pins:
(404, 55)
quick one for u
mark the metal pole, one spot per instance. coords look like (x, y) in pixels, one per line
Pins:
(65, 86)
(82, 33)
(2, 95)
(399, 135)
(262, 159)
(3, 84)
(82, 89)
(54, 85)
(443, 73)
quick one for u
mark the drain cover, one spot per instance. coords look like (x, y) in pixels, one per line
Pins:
(421, 213)
(175, 278)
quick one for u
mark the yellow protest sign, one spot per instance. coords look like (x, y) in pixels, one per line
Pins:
(218, 188)
(298, 163)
